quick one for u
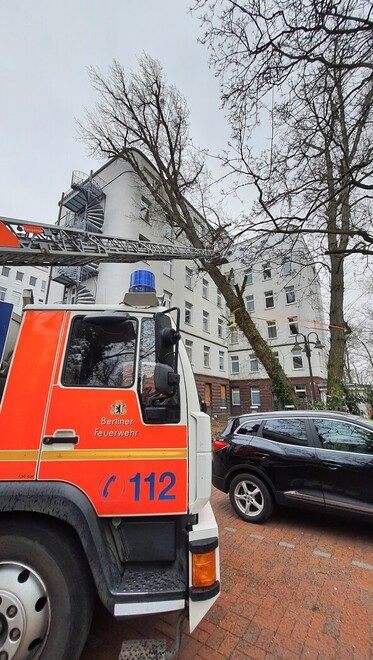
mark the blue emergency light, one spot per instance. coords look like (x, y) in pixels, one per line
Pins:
(142, 281)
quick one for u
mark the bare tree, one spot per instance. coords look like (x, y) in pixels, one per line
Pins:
(141, 113)
(306, 68)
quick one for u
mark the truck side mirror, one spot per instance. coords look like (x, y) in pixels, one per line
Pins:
(166, 339)
(165, 379)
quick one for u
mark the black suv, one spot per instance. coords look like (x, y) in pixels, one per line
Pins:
(314, 459)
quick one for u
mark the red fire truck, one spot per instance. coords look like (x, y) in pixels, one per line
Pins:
(105, 458)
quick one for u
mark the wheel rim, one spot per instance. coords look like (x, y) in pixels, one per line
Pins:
(249, 499)
(24, 612)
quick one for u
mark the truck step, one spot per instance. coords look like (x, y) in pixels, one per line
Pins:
(148, 580)
(143, 649)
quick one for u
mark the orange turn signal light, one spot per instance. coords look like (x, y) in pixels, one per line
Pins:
(203, 569)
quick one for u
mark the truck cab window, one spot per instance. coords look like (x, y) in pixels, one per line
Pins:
(156, 407)
(100, 355)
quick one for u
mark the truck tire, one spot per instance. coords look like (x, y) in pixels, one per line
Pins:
(46, 592)
(251, 498)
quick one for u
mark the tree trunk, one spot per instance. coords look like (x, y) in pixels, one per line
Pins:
(338, 328)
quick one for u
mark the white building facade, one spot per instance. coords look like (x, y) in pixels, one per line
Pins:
(229, 378)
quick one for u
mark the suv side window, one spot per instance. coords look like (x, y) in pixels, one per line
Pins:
(249, 428)
(340, 436)
(288, 431)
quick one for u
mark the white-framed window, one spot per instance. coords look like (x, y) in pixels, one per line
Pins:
(205, 289)
(255, 396)
(287, 267)
(254, 362)
(189, 349)
(188, 313)
(275, 354)
(221, 361)
(269, 299)
(290, 295)
(169, 232)
(206, 356)
(219, 299)
(297, 360)
(16, 297)
(301, 391)
(43, 285)
(293, 325)
(220, 328)
(271, 329)
(250, 304)
(231, 280)
(248, 276)
(235, 364)
(267, 273)
(19, 276)
(167, 299)
(33, 280)
(5, 271)
(2, 293)
(205, 321)
(145, 209)
(234, 336)
(167, 268)
(235, 396)
(188, 278)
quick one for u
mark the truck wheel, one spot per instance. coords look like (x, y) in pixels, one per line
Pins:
(250, 498)
(46, 594)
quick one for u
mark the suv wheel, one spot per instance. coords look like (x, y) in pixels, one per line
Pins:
(250, 498)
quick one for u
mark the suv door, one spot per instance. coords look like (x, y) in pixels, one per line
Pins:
(286, 454)
(345, 451)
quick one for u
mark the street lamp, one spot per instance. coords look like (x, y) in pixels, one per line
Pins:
(307, 350)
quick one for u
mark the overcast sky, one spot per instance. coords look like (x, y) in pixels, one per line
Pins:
(46, 47)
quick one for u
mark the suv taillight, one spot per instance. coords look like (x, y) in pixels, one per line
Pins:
(219, 444)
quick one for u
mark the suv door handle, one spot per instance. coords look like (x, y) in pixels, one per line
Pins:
(260, 454)
(332, 466)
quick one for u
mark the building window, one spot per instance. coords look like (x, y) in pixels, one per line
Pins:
(231, 280)
(16, 297)
(269, 300)
(248, 276)
(188, 278)
(2, 293)
(43, 285)
(223, 396)
(234, 336)
(267, 274)
(286, 267)
(254, 363)
(301, 391)
(189, 349)
(19, 276)
(290, 294)
(145, 209)
(219, 299)
(167, 298)
(250, 303)
(221, 361)
(188, 313)
(206, 321)
(235, 396)
(255, 396)
(271, 329)
(235, 364)
(206, 356)
(297, 360)
(220, 328)
(167, 268)
(5, 271)
(293, 325)
(33, 281)
(169, 232)
(205, 289)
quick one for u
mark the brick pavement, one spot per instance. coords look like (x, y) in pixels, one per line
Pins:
(299, 586)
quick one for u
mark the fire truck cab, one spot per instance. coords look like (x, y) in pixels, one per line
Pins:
(105, 475)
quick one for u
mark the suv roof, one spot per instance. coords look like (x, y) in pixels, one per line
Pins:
(302, 413)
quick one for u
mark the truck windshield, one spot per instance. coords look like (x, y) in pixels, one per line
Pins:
(100, 355)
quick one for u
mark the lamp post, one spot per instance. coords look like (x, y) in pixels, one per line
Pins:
(307, 350)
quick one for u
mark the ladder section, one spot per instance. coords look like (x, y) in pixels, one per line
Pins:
(25, 244)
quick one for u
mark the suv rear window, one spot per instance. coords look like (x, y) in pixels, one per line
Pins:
(289, 431)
